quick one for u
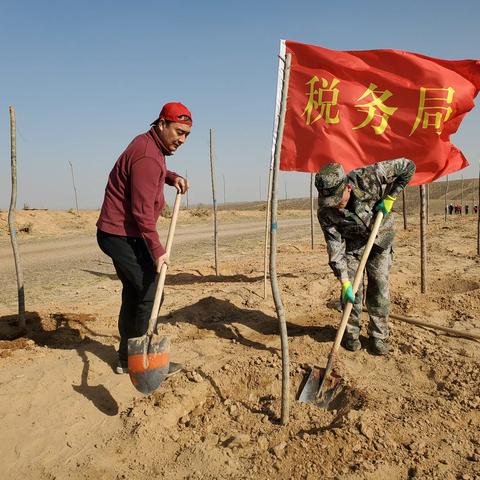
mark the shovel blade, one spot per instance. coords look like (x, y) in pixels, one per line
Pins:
(148, 361)
(311, 386)
(320, 389)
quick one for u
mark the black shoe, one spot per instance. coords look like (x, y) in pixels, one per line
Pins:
(352, 344)
(121, 368)
(378, 346)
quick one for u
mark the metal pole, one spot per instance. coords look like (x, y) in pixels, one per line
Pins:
(428, 202)
(11, 222)
(404, 208)
(473, 195)
(311, 208)
(461, 200)
(74, 188)
(273, 249)
(224, 194)
(423, 239)
(446, 204)
(212, 172)
(260, 189)
(186, 178)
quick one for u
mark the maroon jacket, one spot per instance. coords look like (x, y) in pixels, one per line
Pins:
(134, 193)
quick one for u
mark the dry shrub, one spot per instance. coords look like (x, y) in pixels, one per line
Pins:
(167, 212)
(200, 212)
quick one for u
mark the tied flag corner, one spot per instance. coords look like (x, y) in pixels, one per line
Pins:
(361, 107)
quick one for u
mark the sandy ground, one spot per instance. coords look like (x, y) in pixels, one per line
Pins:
(65, 414)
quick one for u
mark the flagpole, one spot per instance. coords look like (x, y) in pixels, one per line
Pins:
(478, 213)
(446, 205)
(212, 172)
(404, 208)
(273, 247)
(270, 172)
(423, 239)
(267, 220)
(311, 209)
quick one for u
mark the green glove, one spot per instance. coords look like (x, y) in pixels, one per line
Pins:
(385, 205)
(347, 292)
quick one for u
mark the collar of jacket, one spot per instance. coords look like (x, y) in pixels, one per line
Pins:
(153, 133)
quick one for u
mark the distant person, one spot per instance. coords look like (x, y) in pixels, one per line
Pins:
(466, 209)
(450, 209)
(346, 208)
(127, 230)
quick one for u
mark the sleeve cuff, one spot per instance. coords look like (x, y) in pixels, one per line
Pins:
(170, 178)
(157, 251)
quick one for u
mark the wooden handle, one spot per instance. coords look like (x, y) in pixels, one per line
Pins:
(450, 331)
(163, 270)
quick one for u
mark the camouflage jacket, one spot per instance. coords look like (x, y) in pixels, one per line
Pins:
(347, 229)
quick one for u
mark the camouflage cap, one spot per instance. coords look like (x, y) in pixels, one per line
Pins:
(330, 182)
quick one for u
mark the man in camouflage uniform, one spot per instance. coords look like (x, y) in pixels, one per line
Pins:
(346, 207)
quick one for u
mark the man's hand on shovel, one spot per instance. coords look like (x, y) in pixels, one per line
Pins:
(164, 259)
(181, 184)
(347, 292)
(385, 205)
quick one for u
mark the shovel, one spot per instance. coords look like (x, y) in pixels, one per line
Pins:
(322, 385)
(149, 355)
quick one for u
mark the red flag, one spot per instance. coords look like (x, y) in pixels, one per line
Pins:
(362, 107)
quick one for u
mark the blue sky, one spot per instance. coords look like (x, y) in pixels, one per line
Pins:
(86, 77)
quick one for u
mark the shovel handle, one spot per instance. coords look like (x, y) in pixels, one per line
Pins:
(152, 323)
(356, 283)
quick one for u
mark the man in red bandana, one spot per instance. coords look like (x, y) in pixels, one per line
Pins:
(133, 202)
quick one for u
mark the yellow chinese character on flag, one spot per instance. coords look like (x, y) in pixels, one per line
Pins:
(375, 108)
(433, 108)
(322, 100)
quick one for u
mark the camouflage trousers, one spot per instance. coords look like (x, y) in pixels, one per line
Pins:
(377, 292)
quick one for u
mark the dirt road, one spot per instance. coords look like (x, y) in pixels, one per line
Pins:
(48, 264)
